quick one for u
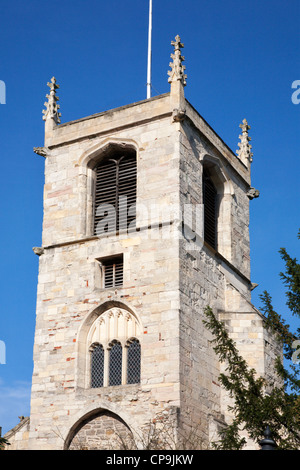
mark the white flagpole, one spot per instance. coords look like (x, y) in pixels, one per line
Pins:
(149, 51)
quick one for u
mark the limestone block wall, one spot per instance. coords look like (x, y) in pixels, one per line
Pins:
(168, 280)
(70, 295)
(219, 279)
(65, 306)
(18, 436)
(232, 184)
(201, 284)
(67, 191)
(103, 432)
(257, 346)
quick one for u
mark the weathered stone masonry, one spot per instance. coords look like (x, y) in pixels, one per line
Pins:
(168, 279)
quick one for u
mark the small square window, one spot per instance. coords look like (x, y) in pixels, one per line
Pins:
(112, 270)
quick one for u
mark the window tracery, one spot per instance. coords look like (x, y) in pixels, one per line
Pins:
(114, 348)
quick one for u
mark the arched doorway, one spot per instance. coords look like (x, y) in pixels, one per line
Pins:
(100, 430)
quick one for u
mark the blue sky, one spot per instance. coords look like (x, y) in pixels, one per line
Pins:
(241, 60)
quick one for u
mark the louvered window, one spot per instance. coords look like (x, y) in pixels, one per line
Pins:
(134, 362)
(115, 192)
(112, 272)
(210, 211)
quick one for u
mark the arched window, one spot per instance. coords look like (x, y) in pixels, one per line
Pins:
(134, 362)
(210, 210)
(115, 363)
(97, 366)
(114, 359)
(218, 195)
(115, 191)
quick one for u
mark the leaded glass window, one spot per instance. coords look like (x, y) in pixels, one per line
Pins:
(115, 349)
(134, 362)
(97, 366)
(115, 364)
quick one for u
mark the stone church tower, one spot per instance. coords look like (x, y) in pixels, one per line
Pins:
(146, 222)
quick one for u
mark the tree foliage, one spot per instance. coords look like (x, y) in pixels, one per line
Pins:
(3, 442)
(253, 409)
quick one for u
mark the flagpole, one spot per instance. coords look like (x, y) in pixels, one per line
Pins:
(149, 51)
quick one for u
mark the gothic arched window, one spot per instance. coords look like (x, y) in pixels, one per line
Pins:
(115, 191)
(114, 360)
(217, 192)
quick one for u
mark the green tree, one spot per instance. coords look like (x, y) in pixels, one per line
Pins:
(3, 443)
(253, 410)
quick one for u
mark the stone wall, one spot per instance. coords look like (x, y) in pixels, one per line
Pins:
(103, 432)
(19, 435)
(168, 280)
(220, 279)
(70, 295)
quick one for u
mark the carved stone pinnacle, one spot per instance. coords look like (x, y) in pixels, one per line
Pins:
(244, 151)
(51, 111)
(177, 69)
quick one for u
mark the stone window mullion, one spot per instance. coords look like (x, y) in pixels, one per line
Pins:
(106, 366)
(124, 365)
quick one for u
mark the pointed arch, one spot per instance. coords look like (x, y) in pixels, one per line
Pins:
(218, 192)
(104, 408)
(110, 321)
(94, 154)
(95, 184)
(218, 173)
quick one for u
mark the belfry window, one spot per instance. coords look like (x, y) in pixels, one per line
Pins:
(115, 192)
(210, 210)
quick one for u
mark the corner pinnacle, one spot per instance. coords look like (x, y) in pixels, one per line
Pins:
(244, 151)
(51, 111)
(177, 69)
